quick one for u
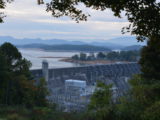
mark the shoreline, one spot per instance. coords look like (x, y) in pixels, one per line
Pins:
(91, 62)
(53, 57)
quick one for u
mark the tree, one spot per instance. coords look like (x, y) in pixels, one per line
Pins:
(146, 87)
(112, 56)
(101, 55)
(75, 57)
(2, 6)
(143, 14)
(129, 56)
(16, 84)
(152, 113)
(144, 18)
(13, 66)
(41, 93)
(101, 106)
(83, 56)
(150, 57)
(92, 56)
(4, 76)
(14, 60)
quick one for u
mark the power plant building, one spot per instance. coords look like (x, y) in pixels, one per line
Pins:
(75, 87)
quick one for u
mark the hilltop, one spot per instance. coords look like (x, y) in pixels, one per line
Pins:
(83, 48)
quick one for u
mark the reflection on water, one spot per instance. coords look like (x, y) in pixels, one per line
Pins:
(34, 56)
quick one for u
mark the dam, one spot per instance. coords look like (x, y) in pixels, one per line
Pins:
(115, 74)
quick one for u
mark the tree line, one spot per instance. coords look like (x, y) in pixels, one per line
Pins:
(66, 47)
(131, 56)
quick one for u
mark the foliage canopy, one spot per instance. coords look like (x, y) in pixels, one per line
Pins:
(17, 86)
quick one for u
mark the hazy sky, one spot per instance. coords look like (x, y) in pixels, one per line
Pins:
(26, 19)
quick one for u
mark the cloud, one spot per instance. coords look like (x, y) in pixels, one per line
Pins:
(52, 21)
(29, 20)
(107, 26)
(51, 32)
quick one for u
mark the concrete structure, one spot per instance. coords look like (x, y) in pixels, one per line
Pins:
(45, 69)
(75, 87)
(75, 83)
(62, 87)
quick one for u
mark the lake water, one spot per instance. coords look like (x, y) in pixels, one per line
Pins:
(35, 57)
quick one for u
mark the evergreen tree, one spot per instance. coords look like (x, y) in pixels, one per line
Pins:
(101, 55)
(150, 60)
(83, 56)
(16, 84)
(75, 57)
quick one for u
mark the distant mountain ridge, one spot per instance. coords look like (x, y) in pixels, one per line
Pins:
(133, 47)
(83, 48)
(126, 41)
(25, 41)
(116, 43)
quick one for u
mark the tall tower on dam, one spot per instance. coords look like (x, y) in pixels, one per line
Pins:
(45, 70)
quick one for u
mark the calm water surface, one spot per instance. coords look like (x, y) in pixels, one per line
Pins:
(34, 56)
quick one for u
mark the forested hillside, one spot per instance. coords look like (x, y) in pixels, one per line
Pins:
(66, 47)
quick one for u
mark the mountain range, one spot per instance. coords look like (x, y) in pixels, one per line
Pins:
(83, 48)
(116, 43)
(133, 47)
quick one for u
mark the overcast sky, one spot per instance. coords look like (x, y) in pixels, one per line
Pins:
(26, 19)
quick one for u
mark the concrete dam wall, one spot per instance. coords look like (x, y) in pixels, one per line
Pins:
(115, 74)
